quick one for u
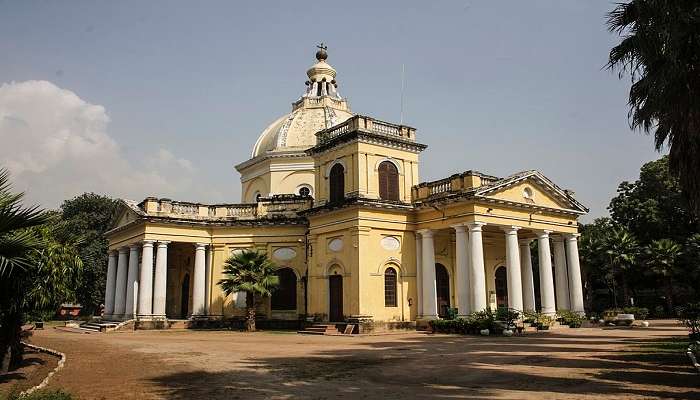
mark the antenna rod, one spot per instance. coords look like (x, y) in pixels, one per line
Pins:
(403, 78)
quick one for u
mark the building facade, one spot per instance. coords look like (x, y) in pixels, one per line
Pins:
(335, 200)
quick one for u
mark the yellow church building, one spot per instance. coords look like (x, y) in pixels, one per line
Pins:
(335, 201)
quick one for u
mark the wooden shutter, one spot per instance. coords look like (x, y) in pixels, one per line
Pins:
(337, 183)
(388, 181)
(390, 288)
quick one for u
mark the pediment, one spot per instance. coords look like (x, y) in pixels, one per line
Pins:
(128, 213)
(533, 189)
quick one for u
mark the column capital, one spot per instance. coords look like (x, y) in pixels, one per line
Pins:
(511, 229)
(147, 243)
(134, 246)
(425, 232)
(544, 234)
(525, 242)
(458, 227)
(572, 236)
(112, 253)
(475, 226)
(123, 250)
(200, 245)
(163, 243)
(557, 237)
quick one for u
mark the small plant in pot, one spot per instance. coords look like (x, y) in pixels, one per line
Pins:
(508, 316)
(544, 322)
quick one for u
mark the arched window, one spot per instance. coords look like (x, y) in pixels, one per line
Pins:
(337, 183)
(390, 287)
(388, 181)
(285, 296)
(442, 284)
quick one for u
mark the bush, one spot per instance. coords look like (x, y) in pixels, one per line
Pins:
(570, 318)
(470, 325)
(689, 315)
(507, 315)
(41, 395)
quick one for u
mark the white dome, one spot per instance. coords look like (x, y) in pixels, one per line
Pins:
(297, 130)
(319, 108)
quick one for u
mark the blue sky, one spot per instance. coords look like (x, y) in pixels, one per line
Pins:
(176, 92)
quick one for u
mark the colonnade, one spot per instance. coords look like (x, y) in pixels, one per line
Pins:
(138, 290)
(470, 275)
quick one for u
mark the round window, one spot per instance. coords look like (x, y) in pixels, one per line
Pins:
(304, 191)
(528, 193)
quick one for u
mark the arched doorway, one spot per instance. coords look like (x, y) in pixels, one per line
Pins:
(185, 297)
(285, 296)
(501, 287)
(442, 283)
(335, 292)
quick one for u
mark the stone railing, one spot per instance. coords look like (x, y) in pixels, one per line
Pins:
(453, 184)
(367, 124)
(284, 205)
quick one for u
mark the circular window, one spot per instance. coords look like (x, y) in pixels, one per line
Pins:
(304, 191)
(528, 193)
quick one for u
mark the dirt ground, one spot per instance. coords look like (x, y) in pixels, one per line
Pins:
(593, 363)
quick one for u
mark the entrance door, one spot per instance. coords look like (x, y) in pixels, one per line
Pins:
(501, 287)
(442, 283)
(335, 288)
(185, 297)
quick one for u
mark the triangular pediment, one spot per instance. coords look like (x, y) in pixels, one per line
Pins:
(128, 213)
(533, 189)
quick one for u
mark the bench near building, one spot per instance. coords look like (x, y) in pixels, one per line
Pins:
(334, 199)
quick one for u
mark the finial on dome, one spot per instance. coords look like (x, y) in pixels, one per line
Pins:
(322, 54)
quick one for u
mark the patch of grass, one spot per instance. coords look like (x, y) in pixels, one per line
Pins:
(674, 345)
(40, 395)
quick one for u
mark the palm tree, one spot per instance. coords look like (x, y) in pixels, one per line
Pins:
(17, 242)
(622, 251)
(660, 50)
(251, 272)
(661, 259)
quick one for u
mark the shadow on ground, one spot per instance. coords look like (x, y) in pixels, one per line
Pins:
(450, 366)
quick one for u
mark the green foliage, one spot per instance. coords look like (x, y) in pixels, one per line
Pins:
(689, 315)
(659, 50)
(40, 395)
(570, 318)
(507, 315)
(469, 325)
(251, 272)
(86, 218)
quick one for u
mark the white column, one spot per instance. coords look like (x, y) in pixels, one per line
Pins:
(111, 282)
(419, 275)
(145, 309)
(515, 284)
(120, 286)
(207, 278)
(461, 270)
(430, 310)
(561, 279)
(131, 279)
(527, 275)
(161, 280)
(476, 263)
(198, 281)
(574, 274)
(545, 268)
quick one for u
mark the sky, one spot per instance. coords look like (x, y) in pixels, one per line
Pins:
(162, 98)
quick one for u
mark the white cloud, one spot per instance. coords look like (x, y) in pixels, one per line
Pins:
(56, 146)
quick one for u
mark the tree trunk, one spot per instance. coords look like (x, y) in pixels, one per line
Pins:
(250, 305)
(668, 287)
(10, 346)
(625, 290)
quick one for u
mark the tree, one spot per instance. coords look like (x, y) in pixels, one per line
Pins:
(86, 218)
(17, 242)
(253, 273)
(594, 266)
(622, 252)
(660, 50)
(662, 256)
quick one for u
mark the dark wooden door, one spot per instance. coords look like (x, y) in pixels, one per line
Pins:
(501, 287)
(442, 283)
(185, 297)
(335, 285)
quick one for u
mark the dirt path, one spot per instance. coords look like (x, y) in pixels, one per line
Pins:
(583, 363)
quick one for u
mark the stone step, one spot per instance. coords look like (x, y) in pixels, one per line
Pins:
(321, 329)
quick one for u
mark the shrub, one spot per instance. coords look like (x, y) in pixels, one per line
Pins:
(570, 318)
(40, 395)
(689, 315)
(471, 324)
(507, 315)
